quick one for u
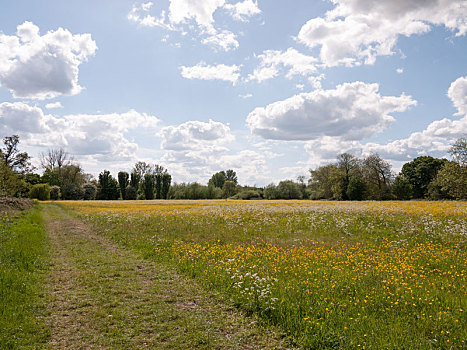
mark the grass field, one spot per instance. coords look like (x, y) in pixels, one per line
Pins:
(344, 275)
(23, 266)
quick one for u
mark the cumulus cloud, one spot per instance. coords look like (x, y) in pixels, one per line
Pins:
(357, 31)
(99, 135)
(242, 10)
(198, 14)
(205, 72)
(225, 40)
(195, 135)
(53, 105)
(434, 140)
(42, 67)
(351, 111)
(294, 62)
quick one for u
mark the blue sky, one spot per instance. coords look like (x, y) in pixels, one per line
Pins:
(268, 88)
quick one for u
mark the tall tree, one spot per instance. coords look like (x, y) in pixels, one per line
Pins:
(347, 163)
(166, 180)
(55, 158)
(149, 180)
(377, 173)
(218, 179)
(107, 188)
(420, 172)
(458, 151)
(231, 175)
(18, 161)
(123, 182)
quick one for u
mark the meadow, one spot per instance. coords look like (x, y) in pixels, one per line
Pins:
(349, 275)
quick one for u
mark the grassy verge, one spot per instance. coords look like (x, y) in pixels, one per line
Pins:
(330, 278)
(23, 264)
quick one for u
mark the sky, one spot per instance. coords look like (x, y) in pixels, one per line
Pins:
(267, 88)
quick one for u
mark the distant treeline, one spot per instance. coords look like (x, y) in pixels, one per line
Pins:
(348, 178)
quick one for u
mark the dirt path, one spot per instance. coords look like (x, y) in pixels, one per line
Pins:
(103, 296)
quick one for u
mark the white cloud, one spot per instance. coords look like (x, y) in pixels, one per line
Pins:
(224, 40)
(358, 31)
(53, 105)
(205, 72)
(458, 94)
(42, 67)
(352, 111)
(293, 61)
(196, 14)
(435, 140)
(242, 10)
(100, 135)
(400, 70)
(195, 135)
(245, 96)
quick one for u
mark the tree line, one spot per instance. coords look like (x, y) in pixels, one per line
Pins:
(348, 178)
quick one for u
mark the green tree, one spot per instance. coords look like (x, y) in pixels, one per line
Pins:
(450, 182)
(229, 189)
(420, 172)
(377, 174)
(347, 164)
(321, 183)
(89, 191)
(149, 181)
(288, 190)
(402, 188)
(458, 151)
(166, 180)
(231, 175)
(356, 189)
(18, 161)
(218, 179)
(123, 182)
(40, 192)
(107, 188)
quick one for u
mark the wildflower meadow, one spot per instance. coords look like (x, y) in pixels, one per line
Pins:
(349, 275)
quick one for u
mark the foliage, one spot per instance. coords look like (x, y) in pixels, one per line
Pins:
(229, 189)
(11, 183)
(18, 161)
(450, 182)
(356, 189)
(149, 180)
(270, 191)
(131, 193)
(420, 172)
(231, 175)
(123, 182)
(247, 194)
(55, 193)
(72, 191)
(377, 174)
(107, 188)
(458, 151)
(89, 191)
(40, 192)
(402, 188)
(166, 180)
(218, 179)
(288, 190)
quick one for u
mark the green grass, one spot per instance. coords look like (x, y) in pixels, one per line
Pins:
(329, 278)
(23, 265)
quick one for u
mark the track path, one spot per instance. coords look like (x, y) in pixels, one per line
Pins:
(103, 296)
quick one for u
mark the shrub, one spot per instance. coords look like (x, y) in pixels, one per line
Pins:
(40, 192)
(89, 191)
(72, 191)
(55, 193)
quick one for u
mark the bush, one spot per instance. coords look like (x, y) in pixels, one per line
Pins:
(55, 193)
(40, 192)
(248, 194)
(89, 191)
(72, 192)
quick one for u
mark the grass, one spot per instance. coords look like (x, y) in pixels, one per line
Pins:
(331, 275)
(23, 265)
(105, 296)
